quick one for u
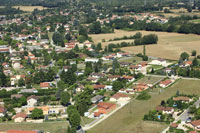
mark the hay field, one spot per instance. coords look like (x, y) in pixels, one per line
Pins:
(129, 118)
(29, 8)
(170, 45)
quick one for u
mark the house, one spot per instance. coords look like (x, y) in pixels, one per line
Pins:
(105, 108)
(98, 87)
(165, 110)
(93, 60)
(45, 110)
(140, 87)
(20, 117)
(129, 78)
(93, 80)
(182, 98)
(29, 91)
(2, 111)
(112, 78)
(97, 99)
(174, 125)
(97, 75)
(143, 64)
(125, 64)
(161, 62)
(17, 96)
(97, 114)
(44, 85)
(195, 124)
(32, 100)
(165, 83)
(118, 97)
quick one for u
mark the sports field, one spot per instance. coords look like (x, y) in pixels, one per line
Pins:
(170, 45)
(129, 118)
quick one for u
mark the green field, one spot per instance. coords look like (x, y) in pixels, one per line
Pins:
(52, 127)
(149, 80)
(195, 21)
(129, 118)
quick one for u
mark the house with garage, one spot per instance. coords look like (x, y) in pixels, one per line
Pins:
(105, 108)
(20, 117)
(165, 110)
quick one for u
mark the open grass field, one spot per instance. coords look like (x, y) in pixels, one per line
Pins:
(149, 80)
(29, 8)
(170, 45)
(51, 127)
(129, 118)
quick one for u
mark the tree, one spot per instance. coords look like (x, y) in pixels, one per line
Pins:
(189, 9)
(58, 39)
(61, 85)
(195, 62)
(68, 37)
(65, 98)
(144, 50)
(82, 107)
(184, 56)
(21, 82)
(75, 119)
(194, 52)
(76, 48)
(117, 85)
(37, 114)
(192, 109)
(99, 47)
(95, 28)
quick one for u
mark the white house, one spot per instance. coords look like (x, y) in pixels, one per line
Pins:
(32, 100)
(161, 62)
(20, 117)
(119, 97)
(93, 60)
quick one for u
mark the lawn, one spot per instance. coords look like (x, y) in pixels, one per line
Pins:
(52, 127)
(149, 80)
(129, 118)
(195, 21)
(170, 45)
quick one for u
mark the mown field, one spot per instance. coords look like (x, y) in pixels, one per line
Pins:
(52, 127)
(170, 45)
(129, 118)
(29, 8)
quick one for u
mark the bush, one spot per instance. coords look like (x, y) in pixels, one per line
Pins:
(143, 96)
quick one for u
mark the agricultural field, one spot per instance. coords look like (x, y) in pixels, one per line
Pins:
(129, 118)
(29, 8)
(52, 127)
(170, 45)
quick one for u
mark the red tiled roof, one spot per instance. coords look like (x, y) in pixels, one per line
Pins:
(174, 125)
(181, 98)
(99, 86)
(97, 114)
(127, 77)
(161, 108)
(23, 115)
(166, 82)
(118, 95)
(32, 97)
(105, 105)
(196, 123)
(44, 84)
(2, 110)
